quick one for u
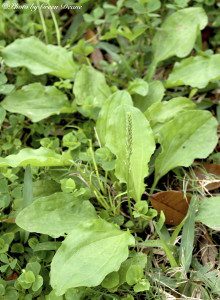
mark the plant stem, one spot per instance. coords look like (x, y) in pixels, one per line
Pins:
(56, 27)
(167, 250)
(176, 232)
(129, 207)
(153, 186)
(101, 200)
(42, 21)
(151, 71)
(96, 168)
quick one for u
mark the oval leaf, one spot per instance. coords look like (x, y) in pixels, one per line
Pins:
(161, 112)
(178, 33)
(173, 204)
(90, 90)
(191, 134)
(88, 254)
(40, 58)
(109, 107)
(195, 71)
(138, 86)
(208, 212)
(55, 215)
(155, 94)
(130, 138)
(37, 102)
(41, 157)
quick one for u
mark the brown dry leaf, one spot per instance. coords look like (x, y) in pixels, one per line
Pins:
(96, 57)
(173, 204)
(8, 220)
(13, 276)
(91, 37)
(113, 2)
(208, 250)
(208, 176)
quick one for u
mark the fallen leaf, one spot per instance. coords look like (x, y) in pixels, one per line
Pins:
(173, 204)
(208, 176)
(96, 57)
(13, 276)
(91, 37)
(8, 220)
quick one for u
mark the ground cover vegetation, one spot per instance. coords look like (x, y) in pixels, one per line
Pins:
(109, 150)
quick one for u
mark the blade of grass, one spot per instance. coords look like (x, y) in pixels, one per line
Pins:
(188, 235)
(166, 248)
(28, 187)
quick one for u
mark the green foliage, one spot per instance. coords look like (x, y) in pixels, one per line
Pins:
(155, 94)
(161, 112)
(64, 210)
(108, 109)
(178, 33)
(195, 71)
(130, 138)
(188, 236)
(39, 58)
(90, 90)
(37, 102)
(98, 111)
(4, 87)
(98, 245)
(183, 140)
(41, 157)
(138, 86)
(208, 212)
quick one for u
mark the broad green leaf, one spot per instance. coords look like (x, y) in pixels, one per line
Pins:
(130, 138)
(105, 158)
(195, 71)
(90, 90)
(191, 134)
(56, 214)
(137, 258)
(2, 115)
(138, 86)
(143, 7)
(40, 58)
(53, 296)
(178, 33)
(142, 285)
(37, 102)
(108, 109)
(88, 254)
(155, 94)
(40, 157)
(3, 79)
(38, 283)
(45, 187)
(111, 281)
(215, 157)
(134, 274)
(209, 211)
(161, 112)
